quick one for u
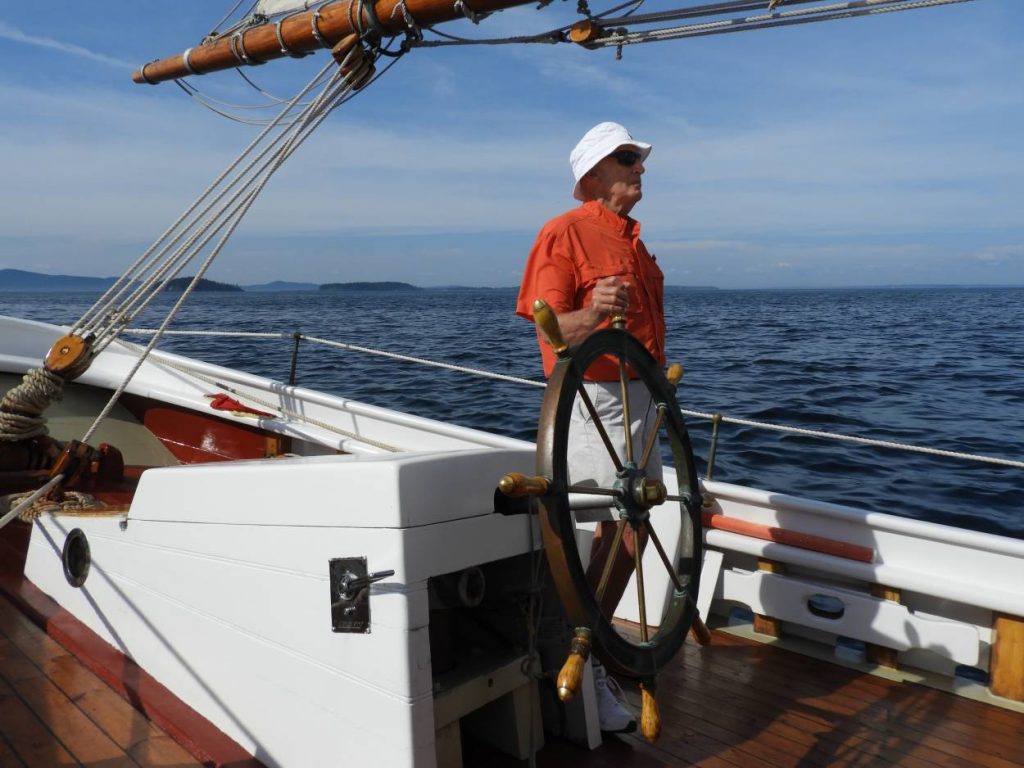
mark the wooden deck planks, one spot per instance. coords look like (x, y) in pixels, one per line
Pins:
(55, 712)
(29, 737)
(945, 729)
(739, 704)
(750, 691)
(734, 704)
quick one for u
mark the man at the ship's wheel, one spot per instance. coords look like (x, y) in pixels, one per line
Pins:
(589, 264)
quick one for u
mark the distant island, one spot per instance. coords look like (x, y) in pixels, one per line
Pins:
(22, 281)
(179, 284)
(384, 286)
(280, 285)
(31, 282)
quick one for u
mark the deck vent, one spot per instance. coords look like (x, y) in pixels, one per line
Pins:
(76, 558)
(972, 674)
(826, 606)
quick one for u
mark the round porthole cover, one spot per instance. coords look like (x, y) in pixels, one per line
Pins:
(76, 558)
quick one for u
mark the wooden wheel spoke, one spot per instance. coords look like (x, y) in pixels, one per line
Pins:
(664, 557)
(589, 405)
(606, 572)
(640, 594)
(652, 438)
(627, 423)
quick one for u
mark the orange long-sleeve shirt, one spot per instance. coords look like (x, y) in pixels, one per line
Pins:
(575, 250)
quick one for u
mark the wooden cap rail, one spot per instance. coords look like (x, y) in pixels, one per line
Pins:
(308, 31)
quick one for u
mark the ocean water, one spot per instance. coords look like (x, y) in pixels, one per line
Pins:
(936, 367)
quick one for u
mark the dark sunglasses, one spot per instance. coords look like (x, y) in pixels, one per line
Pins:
(626, 157)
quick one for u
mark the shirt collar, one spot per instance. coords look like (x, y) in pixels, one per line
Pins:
(625, 226)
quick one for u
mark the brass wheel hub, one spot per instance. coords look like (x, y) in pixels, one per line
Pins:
(637, 493)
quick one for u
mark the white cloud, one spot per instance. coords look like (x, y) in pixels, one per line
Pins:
(10, 32)
(755, 165)
(1000, 254)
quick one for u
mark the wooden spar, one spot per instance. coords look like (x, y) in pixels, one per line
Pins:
(297, 36)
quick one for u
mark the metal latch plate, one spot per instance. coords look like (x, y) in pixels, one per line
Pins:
(350, 593)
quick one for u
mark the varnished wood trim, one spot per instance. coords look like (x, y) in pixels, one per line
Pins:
(767, 625)
(1007, 669)
(880, 654)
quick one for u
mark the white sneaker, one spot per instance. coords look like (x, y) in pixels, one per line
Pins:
(612, 715)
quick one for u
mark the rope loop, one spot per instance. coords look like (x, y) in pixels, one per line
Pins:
(238, 49)
(413, 32)
(314, 21)
(281, 43)
(372, 32)
(469, 13)
(370, 8)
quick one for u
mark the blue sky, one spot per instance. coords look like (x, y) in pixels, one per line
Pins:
(884, 150)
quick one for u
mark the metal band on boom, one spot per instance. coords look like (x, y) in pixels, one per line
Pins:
(185, 62)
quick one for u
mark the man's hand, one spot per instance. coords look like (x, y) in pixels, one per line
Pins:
(610, 296)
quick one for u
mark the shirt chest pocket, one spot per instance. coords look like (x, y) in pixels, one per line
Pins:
(612, 265)
(609, 266)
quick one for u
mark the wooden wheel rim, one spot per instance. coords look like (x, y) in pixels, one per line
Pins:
(621, 655)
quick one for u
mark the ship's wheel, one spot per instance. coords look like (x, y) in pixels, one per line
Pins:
(638, 502)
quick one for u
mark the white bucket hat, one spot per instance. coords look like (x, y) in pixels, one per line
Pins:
(596, 144)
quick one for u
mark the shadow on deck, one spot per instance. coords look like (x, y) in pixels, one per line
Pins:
(740, 704)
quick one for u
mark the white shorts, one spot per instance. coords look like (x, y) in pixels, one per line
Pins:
(588, 459)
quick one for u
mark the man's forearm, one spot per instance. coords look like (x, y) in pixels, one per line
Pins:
(579, 324)
(610, 294)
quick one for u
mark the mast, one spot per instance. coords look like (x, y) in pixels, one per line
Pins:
(301, 33)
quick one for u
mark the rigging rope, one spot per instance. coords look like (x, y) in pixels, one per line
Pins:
(294, 416)
(192, 233)
(194, 230)
(618, 34)
(232, 221)
(540, 384)
(148, 270)
(844, 10)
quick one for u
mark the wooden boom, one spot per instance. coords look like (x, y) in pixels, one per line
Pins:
(307, 31)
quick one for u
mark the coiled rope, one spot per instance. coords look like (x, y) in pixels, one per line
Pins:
(867, 441)
(22, 503)
(30, 506)
(21, 410)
